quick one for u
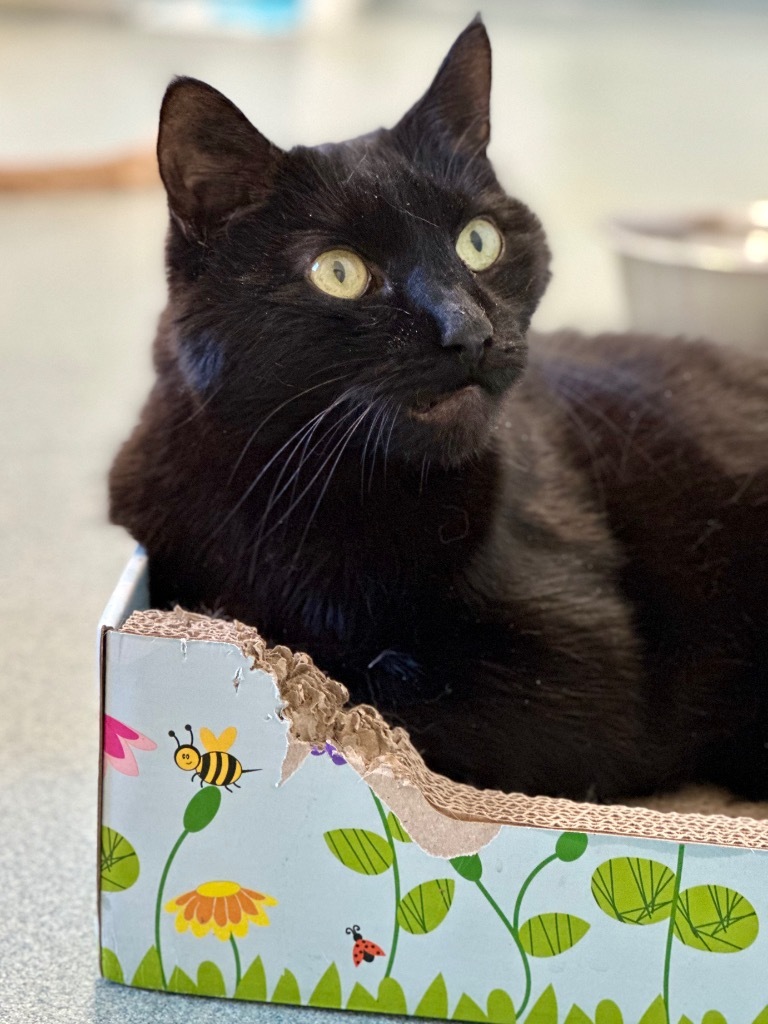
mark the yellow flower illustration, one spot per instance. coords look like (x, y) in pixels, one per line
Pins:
(226, 908)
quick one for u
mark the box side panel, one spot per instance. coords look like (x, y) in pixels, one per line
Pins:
(131, 593)
(312, 892)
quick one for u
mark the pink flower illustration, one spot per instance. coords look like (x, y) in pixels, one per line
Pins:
(118, 740)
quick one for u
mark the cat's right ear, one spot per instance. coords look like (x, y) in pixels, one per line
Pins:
(212, 160)
(455, 110)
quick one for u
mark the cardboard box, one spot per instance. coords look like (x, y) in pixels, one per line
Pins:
(293, 851)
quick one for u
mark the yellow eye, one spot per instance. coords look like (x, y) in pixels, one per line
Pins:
(479, 244)
(340, 273)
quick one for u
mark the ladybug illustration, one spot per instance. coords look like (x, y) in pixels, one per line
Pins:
(363, 949)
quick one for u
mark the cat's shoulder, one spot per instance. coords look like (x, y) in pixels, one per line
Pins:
(630, 362)
(702, 403)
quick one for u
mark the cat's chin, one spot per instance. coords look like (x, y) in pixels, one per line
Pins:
(451, 428)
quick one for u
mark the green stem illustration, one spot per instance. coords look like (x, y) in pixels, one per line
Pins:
(569, 847)
(525, 886)
(159, 902)
(396, 876)
(671, 929)
(512, 929)
(238, 968)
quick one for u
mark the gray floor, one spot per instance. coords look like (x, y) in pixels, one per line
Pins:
(597, 108)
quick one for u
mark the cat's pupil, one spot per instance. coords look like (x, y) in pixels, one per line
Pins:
(476, 240)
(338, 269)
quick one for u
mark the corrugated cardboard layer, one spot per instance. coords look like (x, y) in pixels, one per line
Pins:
(315, 707)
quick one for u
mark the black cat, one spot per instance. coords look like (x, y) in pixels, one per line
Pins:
(547, 558)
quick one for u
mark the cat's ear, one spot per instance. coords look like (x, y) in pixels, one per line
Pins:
(456, 107)
(212, 160)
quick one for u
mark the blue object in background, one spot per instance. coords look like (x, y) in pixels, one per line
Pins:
(260, 15)
(270, 17)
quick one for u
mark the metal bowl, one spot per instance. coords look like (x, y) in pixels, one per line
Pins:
(699, 275)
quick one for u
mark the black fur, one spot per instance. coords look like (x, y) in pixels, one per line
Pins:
(557, 578)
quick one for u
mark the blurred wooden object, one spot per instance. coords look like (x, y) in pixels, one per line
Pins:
(131, 169)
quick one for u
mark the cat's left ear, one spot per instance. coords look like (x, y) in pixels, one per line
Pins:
(456, 107)
(212, 160)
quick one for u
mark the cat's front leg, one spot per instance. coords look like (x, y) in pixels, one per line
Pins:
(511, 711)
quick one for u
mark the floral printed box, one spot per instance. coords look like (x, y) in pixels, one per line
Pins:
(259, 842)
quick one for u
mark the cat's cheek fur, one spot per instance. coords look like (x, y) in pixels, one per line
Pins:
(201, 361)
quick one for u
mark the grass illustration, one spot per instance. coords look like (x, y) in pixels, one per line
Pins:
(435, 1003)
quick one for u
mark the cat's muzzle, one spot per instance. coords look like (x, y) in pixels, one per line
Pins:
(470, 399)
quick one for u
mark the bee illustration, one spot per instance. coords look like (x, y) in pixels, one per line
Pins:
(215, 766)
(363, 949)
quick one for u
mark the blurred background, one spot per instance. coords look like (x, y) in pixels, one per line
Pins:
(599, 107)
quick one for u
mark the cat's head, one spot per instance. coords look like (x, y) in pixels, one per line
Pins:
(380, 287)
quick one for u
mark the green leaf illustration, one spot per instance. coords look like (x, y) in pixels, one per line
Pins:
(685, 1020)
(501, 1009)
(551, 934)
(607, 1012)
(366, 852)
(148, 973)
(181, 982)
(360, 999)
(715, 919)
(391, 997)
(434, 1002)
(397, 830)
(119, 861)
(655, 1014)
(762, 1017)
(287, 990)
(633, 890)
(467, 1009)
(253, 984)
(544, 1011)
(423, 908)
(470, 867)
(210, 981)
(571, 845)
(202, 808)
(327, 992)
(576, 1016)
(713, 1017)
(110, 966)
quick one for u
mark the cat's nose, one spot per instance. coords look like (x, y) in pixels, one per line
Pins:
(467, 333)
(462, 324)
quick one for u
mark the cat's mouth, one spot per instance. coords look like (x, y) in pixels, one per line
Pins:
(444, 408)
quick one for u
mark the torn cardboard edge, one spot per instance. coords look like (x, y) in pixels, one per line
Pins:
(430, 805)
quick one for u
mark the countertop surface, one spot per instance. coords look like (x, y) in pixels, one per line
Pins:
(593, 113)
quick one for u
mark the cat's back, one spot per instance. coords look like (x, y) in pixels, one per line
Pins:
(671, 437)
(644, 411)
